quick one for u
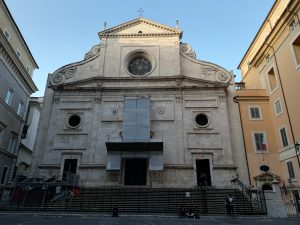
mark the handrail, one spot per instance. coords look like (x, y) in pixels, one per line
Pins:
(241, 184)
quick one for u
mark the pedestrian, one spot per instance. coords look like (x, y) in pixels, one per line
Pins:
(182, 212)
(229, 203)
(196, 213)
(115, 211)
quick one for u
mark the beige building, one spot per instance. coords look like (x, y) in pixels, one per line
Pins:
(16, 85)
(269, 101)
(140, 109)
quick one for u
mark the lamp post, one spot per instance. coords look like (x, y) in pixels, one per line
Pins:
(297, 147)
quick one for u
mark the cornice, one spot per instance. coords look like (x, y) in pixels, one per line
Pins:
(7, 153)
(252, 98)
(16, 65)
(174, 82)
(13, 112)
(141, 35)
(111, 32)
(274, 34)
(20, 36)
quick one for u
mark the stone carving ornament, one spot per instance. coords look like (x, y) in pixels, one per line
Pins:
(94, 51)
(161, 109)
(60, 77)
(114, 111)
(222, 76)
(208, 71)
(187, 50)
(69, 72)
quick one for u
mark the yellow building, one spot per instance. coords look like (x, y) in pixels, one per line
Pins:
(269, 100)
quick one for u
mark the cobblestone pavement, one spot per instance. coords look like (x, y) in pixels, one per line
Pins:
(94, 219)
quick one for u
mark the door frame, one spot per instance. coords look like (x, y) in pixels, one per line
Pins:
(123, 166)
(201, 157)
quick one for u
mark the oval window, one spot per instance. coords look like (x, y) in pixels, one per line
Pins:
(74, 121)
(264, 168)
(201, 120)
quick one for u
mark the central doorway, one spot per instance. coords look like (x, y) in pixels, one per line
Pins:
(70, 168)
(203, 172)
(135, 172)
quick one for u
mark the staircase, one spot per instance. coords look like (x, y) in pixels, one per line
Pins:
(148, 200)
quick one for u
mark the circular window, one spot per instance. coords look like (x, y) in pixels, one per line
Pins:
(139, 63)
(264, 168)
(201, 120)
(74, 121)
(139, 66)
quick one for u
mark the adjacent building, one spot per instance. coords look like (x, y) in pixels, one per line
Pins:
(16, 67)
(141, 110)
(269, 98)
(28, 136)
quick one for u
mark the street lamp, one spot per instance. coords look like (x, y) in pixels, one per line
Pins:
(297, 147)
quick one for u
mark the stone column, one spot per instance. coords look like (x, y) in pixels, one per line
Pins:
(274, 203)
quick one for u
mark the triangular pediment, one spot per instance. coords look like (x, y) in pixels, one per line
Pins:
(140, 27)
(266, 176)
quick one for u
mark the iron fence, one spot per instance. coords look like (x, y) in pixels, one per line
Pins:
(291, 199)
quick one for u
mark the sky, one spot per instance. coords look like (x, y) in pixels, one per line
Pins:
(60, 32)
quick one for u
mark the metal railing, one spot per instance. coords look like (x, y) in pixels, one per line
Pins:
(291, 199)
(44, 196)
(255, 196)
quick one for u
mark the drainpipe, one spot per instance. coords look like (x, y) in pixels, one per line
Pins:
(236, 101)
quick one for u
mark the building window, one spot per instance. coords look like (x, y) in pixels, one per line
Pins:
(272, 79)
(139, 63)
(201, 120)
(255, 113)
(290, 169)
(4, 175)
(296, 50)
(12, 143)
(9, 96)
(260, 141)
(20, 108)
(74, 121)
(293, 25)
(6, 34)
(264, 168)
(284, 139)
(2, 127)
(278, 109)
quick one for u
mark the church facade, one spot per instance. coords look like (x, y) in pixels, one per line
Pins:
(141, 110)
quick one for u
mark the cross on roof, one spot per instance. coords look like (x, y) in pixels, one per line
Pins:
(141, 12)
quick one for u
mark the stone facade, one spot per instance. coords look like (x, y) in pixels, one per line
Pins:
(194, 125)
